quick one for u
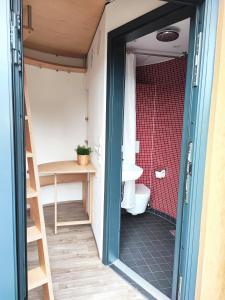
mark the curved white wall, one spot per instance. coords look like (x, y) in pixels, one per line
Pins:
(58, 107)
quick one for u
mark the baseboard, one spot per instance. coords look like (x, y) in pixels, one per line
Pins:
(161, 215)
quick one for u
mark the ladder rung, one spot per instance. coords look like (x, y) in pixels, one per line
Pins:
(30, 191)
(33, 234)
(41, 274)
(28, 154)
(36, 278)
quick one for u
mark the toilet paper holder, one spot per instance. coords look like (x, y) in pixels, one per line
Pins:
(159, 174)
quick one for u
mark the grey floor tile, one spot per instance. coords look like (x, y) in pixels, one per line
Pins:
(155, 268)
(160, 275)
(140, 262)
(143, 269)
(131, 263)
(149, 276)
(164, 283)
(167, 292)
(147, 246)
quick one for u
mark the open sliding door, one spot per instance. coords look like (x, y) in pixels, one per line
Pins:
(19, 148)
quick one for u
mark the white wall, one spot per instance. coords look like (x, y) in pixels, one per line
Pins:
(121, 12)
(58, 107)
(96, 124)
(116, 14)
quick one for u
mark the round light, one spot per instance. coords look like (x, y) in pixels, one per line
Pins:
(167, 35)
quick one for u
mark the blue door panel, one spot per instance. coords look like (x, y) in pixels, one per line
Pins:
(8, 275)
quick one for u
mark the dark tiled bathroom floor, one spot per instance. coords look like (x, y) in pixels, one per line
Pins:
(147, 247)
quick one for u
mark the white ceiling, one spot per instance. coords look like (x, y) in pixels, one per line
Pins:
(149, 43)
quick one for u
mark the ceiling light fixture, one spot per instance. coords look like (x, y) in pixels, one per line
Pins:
(167, 35)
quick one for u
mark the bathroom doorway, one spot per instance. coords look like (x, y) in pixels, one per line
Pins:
(187, 216)
(152, 140)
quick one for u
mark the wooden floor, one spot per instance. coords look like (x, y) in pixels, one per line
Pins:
(77, 272)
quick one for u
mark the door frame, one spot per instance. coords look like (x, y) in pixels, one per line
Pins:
(8, 277)
(13, 283)
(117, 39)
(208, 21)
(165, 15)
(19, 146)
(12, 204)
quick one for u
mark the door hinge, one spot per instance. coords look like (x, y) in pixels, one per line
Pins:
(198, 49)
(15, 28)
(188, 171)
(179, 288)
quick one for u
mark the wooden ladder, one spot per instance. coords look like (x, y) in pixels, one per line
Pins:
(41, 275)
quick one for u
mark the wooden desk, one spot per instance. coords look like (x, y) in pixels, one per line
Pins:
(69, 171)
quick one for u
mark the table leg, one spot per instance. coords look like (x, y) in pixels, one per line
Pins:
(90, 180)
(55, 201)
(84, 194)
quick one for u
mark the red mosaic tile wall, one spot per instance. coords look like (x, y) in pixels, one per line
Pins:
(160, 102)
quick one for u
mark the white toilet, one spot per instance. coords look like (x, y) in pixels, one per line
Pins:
(142, 196)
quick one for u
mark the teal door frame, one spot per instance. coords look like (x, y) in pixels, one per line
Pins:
(195, 122)
(188, 123)
(207, 18)
(13, 278)
(117, 39)
(8, 261)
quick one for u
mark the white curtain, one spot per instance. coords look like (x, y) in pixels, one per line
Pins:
(129, 131)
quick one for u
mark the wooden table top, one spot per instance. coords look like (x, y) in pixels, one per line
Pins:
(65, 167)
